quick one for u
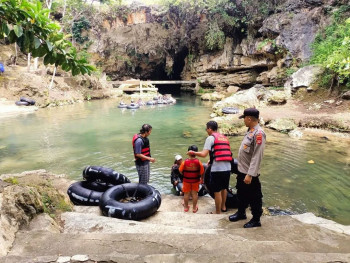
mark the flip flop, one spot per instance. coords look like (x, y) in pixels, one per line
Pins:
(224, 211)
(195, 210)
(186, 208)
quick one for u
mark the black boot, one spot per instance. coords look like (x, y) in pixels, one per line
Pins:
(252, 223)
(237, 216)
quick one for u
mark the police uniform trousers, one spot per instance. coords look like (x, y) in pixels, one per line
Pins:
(249, 194)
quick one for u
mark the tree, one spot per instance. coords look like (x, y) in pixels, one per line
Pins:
(27, 24)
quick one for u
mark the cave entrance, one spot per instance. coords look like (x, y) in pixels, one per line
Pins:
(178, 66)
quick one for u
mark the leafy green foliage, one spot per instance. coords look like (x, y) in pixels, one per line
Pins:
(275, 48)
(78, 26)
(27, 24)
(226, 18)
(331, 49)
(11, 180)
(215, 38)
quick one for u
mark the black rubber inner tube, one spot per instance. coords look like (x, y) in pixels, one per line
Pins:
(231, 199)
(140, 201)
(22, 103)
(104, 174)
(87, 193)
(133, 106)
(230, 110)
(30, 101)
(202, 190)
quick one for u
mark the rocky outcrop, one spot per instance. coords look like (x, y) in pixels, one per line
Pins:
(295, 27)
(18, 82)
(284, 125)
(26, 195)
(215, 96)
(152, 44)
(337, 125)
(303, 78)
(346, 95)
(253, 97)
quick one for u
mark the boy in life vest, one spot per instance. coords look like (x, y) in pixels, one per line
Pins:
(193, 171)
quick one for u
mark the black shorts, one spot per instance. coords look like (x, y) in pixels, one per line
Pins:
(219, 181)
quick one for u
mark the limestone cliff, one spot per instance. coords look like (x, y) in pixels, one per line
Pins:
(150, 43)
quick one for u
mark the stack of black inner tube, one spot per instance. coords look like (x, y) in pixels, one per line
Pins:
(98, 179)
(114, 193)
(23, 101)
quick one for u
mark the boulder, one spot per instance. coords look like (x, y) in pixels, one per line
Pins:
(18, 205)
(232, 89)
(346, 95)
(215, 96)
(303, 78)
(244, 99)
(277, 97)
(296, 133)
(282, 125)
(230, 125)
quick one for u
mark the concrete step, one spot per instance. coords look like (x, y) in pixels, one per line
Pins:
(163, 247)
(276, 257)
(171, 235)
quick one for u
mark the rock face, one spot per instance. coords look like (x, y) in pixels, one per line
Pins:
(17, 82)
(25, 196)
(303, 78)
(153, 44)
(346, 95)
(296, 26)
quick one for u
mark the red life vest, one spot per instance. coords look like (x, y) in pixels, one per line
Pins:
(145, 149)
(221, 150)
(191, 171)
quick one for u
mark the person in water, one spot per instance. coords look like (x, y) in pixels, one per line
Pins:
(140, 102)
(218, 148)
(250, 155)
(142, 153)
(193, 171)
(175, 176)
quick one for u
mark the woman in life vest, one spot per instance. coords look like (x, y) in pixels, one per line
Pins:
(193, 171)
(142, 153)
(218, 148)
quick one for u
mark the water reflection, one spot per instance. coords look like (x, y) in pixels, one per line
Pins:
(66, 139)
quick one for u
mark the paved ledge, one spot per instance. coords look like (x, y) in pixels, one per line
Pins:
(310, 218)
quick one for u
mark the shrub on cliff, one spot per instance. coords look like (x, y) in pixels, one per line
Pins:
(331, 49)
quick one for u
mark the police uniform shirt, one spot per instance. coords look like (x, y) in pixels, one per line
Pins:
(251, 151)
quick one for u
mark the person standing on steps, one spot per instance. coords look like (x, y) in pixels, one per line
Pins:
(142, 153)
(218, 148)
(193, 171)
(249, 159)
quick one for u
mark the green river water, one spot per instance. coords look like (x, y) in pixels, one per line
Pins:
(66, 139)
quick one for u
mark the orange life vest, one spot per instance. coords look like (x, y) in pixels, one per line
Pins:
(221, 150)
(191, 171)
(145, 149)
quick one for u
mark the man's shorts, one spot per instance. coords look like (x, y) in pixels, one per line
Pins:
(219, 181)
(188, 187)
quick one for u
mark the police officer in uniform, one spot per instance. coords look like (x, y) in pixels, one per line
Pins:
(249, 158)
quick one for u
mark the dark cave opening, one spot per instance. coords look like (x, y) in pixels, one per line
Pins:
(178, 66)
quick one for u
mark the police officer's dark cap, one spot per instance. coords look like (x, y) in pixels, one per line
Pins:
(250, 112)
